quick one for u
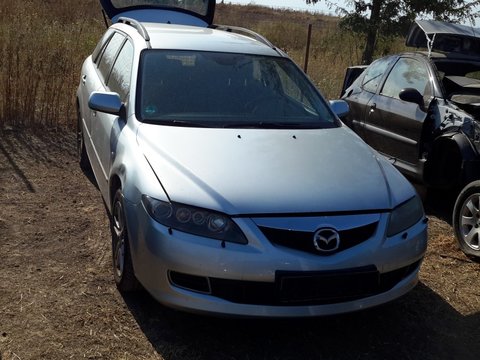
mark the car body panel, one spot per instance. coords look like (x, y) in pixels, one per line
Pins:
(457, 39)
(393, 127)
(169, 11)
(302, 174)
(160, 252)
(202, 39)
(89, 83)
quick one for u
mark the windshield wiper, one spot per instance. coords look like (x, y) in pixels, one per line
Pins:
(184, 123)
(189, 123)
(270, 125)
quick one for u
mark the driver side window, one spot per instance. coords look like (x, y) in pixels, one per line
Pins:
(374, 74)
(407, 73)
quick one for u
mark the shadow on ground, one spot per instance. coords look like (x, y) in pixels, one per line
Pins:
(421, 325)
(440, 203)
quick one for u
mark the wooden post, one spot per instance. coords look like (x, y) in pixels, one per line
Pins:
(307, 51)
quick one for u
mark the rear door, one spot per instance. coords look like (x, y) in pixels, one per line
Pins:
(361, 92)
(393, 126)
(92, 80)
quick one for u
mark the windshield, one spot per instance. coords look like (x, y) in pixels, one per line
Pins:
(211, 89)
(197, 6)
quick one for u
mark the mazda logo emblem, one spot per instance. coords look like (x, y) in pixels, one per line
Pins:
(326, 240)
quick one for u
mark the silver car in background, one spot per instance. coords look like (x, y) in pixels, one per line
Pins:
(232, 186)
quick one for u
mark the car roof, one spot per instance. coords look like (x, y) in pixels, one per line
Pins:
(184, 37)
(435, 55)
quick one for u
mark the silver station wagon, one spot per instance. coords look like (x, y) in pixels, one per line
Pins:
(233, 187)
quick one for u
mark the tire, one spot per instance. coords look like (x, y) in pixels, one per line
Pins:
(466, 219)
(81, 151)
(122, 261)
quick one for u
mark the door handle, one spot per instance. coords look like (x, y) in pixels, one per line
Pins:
(373, 107)
(84, 79)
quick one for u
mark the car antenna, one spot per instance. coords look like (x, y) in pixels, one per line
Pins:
(105, 18)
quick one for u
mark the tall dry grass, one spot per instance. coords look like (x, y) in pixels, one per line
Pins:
(44, 42)
(42, 46)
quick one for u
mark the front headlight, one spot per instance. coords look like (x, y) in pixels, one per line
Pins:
(405, 215)
(193, 220)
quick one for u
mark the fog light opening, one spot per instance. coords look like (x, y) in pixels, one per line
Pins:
(195, 283)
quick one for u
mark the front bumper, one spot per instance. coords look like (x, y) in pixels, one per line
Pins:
(261, 279)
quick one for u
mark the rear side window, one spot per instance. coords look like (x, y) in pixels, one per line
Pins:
(119, 79)
(100, 48)
(374, 74)
(109, 55)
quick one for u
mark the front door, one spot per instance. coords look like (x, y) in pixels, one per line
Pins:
(394, 126)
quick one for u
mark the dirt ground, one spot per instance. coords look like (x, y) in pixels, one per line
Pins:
(58, 299)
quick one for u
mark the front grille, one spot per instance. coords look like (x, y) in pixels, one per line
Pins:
(303, 240)
(311, 288)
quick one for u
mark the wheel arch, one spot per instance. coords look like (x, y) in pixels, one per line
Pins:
(115, 183)
(452, 161)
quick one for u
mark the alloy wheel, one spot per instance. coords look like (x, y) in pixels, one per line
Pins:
(469, 222)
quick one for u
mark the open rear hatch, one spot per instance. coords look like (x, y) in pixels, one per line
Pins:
(445, 37)
(458, 42)
(184, 12)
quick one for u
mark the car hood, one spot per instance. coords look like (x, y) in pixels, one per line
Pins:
(259, 171)
(456, 39)
(167, 11)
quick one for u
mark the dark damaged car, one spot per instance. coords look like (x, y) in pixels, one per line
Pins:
(421, 111)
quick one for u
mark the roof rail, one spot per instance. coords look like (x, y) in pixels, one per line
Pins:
(248, 32)
(137, 25)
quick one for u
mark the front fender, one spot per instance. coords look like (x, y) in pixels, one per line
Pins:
(131, 171)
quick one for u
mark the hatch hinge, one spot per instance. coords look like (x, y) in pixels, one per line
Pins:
(430, 42)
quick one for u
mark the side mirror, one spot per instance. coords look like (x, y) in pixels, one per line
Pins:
(340, 107)
(412, 95)
(107, 102)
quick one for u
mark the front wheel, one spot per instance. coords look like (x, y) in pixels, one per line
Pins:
(466, 219)
(122, 259)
